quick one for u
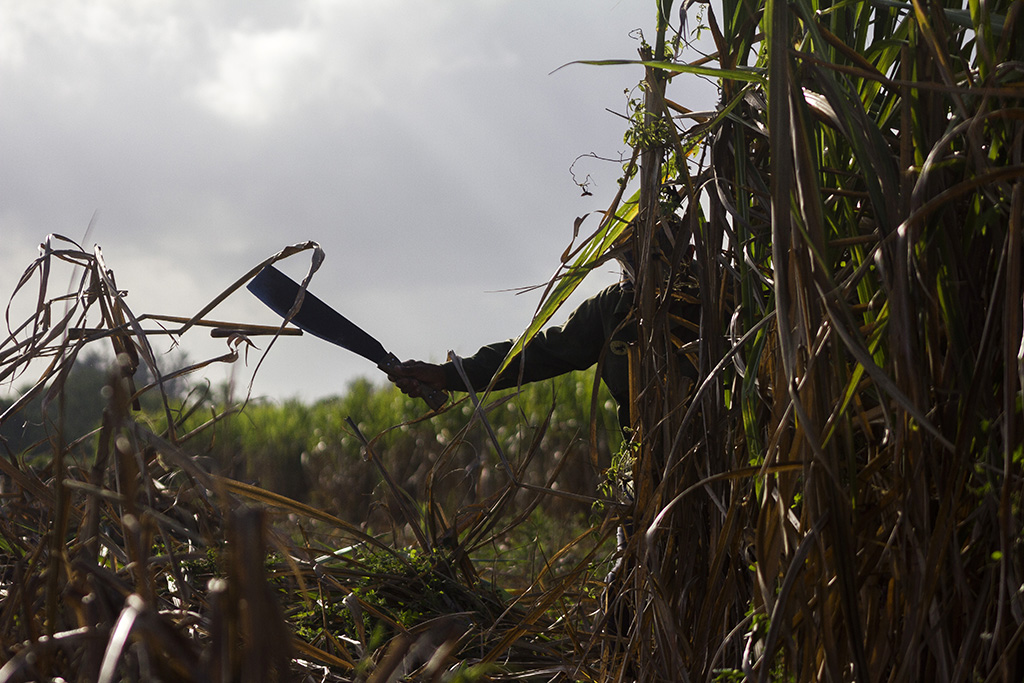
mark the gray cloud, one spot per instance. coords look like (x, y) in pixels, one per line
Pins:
(425, 144)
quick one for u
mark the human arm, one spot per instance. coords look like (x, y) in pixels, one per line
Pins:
(575, 345)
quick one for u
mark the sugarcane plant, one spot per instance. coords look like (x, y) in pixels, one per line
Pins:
(835, 494)
(838, 496)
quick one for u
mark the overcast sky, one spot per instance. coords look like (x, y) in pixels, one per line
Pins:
(425, 144)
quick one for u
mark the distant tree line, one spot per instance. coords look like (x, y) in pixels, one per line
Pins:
(65, 413)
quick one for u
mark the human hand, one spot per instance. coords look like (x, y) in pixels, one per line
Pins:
(415, 378)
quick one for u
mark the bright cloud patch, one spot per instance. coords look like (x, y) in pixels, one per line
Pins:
(260, 74)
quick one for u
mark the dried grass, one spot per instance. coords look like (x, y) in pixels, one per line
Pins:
(125, 558)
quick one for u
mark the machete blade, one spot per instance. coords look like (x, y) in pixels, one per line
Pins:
(278, 291)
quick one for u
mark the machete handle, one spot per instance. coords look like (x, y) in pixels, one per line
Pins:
(435, 398)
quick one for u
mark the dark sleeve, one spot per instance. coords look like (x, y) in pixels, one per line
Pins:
(575, 345)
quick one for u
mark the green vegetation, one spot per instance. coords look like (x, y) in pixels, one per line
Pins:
(838, 497)
(310, 453)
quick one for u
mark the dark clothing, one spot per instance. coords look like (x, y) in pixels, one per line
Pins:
(576, 345)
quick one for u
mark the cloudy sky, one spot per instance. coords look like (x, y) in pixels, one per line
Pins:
(425, 144)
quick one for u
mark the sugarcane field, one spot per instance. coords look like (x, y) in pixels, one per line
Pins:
(761, 420)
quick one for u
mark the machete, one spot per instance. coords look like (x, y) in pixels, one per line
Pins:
(278, 291)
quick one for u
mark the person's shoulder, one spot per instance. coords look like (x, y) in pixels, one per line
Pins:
(614, 300)
(611, 294)
(602, 303)
(617, 289)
